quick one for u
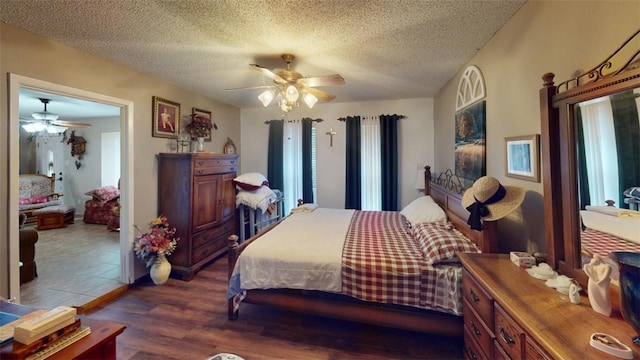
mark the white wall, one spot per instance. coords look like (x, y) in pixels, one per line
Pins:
(416, 142)
(89, 176)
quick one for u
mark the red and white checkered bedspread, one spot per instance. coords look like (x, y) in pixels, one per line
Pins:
(597, 242)
(382, 262)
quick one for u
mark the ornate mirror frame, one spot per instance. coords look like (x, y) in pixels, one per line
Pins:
(558, 148)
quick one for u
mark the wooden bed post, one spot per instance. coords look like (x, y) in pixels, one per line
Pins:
(427, 180)
(232, 258)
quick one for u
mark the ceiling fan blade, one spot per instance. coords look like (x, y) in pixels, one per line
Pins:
(268, 73)
(329, 80)
(70, 124)
(321, 95)
(250, 88)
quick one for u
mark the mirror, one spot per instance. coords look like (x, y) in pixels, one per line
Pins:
(618, 74)
(607, 168)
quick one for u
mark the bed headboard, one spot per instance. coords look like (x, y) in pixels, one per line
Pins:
(448, 194)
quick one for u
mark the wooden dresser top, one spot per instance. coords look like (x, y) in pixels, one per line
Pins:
(560, 327)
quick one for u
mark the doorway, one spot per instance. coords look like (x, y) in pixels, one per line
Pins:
(125, 107)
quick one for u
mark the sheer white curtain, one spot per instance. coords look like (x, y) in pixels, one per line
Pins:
(600, 150)
(292, 164)
(370, 166)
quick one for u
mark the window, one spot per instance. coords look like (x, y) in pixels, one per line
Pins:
(371, 195)
(293, 163)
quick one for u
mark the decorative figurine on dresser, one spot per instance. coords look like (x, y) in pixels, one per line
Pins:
(196, 191)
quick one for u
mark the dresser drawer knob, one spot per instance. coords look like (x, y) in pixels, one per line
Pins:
(473, 295)
(476, 332)
(505, 336)
(200, 163)
(472, 354)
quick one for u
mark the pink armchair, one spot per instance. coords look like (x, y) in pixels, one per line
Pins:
(103, 205)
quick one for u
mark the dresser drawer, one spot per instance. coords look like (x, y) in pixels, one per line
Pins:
(472, 350)
(213, 166)
(508, 334)
(533, 352)
(207, 236)
(477, 329)
(498, 352)
(479, 300)
(212, 247)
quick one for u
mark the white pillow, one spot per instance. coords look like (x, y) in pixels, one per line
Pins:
(423, 210)
(251, 181)
(258, 199)
(608, 210)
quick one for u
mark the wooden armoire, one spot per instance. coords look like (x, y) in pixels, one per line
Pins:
(197, 195)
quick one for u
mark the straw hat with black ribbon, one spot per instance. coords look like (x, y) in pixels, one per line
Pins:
(488, 200)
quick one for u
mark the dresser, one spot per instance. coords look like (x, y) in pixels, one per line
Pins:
(197, 195)
(510, 315)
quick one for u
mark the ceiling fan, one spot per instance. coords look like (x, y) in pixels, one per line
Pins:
(289, 85)
(46, 121)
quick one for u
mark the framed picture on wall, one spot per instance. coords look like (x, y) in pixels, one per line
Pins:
(166, 118)
(521, 158)
(206, 114)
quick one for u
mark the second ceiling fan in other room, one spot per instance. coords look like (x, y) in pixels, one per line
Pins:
(46, 121)
(289, 85)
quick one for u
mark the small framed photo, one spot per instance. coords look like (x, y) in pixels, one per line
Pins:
(207, 114)
(166, 118)
(522, 157)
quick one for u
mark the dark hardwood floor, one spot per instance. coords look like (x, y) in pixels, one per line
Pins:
(188, 320)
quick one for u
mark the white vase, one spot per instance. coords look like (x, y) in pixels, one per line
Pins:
(160, 270)
(200, 145)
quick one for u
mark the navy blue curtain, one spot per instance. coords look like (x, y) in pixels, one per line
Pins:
(307, 166)
(275, 155)
(353, 193)
(389, 161)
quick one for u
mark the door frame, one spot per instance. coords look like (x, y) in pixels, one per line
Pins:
(16, 82)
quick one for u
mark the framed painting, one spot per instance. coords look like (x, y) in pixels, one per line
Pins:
(470, 150)
(521, 157)
(166, 118)
(206, 114)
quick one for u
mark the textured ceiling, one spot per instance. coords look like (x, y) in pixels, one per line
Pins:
(385, 49)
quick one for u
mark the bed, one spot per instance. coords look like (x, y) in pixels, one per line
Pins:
(338, 305)
(606, 229)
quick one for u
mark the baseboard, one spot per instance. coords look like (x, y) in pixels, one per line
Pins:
(81, 309)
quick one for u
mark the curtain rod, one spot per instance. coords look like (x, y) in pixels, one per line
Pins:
(313, 120)
(399, 117)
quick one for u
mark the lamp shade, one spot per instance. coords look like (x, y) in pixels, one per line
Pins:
(33, 127)
(310, 100)
(291, 94)
(266, 97)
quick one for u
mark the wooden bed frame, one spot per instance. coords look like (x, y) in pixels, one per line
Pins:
(347, 308)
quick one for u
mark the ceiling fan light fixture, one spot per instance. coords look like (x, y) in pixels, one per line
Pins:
(291, 94)
(266, 97)
(310, 100)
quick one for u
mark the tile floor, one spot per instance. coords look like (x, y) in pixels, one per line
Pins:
(75, 265)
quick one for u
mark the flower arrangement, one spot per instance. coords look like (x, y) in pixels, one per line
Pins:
(200, 126)
(157, 243)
